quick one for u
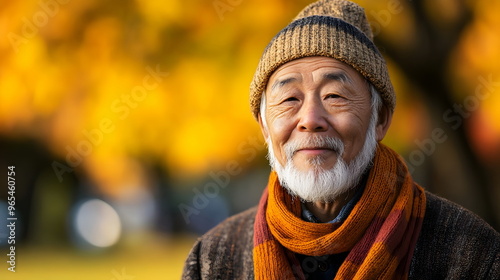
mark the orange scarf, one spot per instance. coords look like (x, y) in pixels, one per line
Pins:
(380, 232)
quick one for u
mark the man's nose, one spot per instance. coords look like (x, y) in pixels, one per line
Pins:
(313, 117)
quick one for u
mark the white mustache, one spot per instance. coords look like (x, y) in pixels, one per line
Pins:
(314, 141)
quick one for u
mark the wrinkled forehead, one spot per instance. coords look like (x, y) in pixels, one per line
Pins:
(316, 69)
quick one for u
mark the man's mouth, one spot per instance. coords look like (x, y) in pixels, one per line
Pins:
(315, 146)
(314, 150)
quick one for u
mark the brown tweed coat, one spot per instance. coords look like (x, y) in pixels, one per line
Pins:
(454, 244)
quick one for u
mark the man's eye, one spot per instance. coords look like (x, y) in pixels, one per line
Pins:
(291, 99)
(332, 96)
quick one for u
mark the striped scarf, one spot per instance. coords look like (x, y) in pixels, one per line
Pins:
(380, 233)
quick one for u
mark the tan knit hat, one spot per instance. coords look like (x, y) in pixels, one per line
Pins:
(332, 28)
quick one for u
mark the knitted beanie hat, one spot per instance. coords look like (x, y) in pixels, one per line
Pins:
(332, 28)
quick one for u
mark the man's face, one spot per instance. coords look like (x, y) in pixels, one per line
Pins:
(316, 96)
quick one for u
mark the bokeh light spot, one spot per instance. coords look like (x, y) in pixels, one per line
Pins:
(98, 223)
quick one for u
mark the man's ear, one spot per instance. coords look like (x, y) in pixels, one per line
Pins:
(384, 121)
(263, 128)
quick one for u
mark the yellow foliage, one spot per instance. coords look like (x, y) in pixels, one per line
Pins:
(66, 70)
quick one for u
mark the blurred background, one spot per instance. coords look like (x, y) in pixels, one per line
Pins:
(129, 127)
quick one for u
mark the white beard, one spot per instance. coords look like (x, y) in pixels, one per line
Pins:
(319, 184)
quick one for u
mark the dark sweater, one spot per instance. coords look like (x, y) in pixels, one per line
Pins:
(454, 244)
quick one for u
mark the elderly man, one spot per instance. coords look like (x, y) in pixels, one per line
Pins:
(339, 204)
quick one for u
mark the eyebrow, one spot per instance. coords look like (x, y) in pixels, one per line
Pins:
(332, 76)
(338, 76)
(281, 83)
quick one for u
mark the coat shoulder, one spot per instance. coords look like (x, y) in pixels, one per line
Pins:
(455, 243)
(234, 226)
(224, 252)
